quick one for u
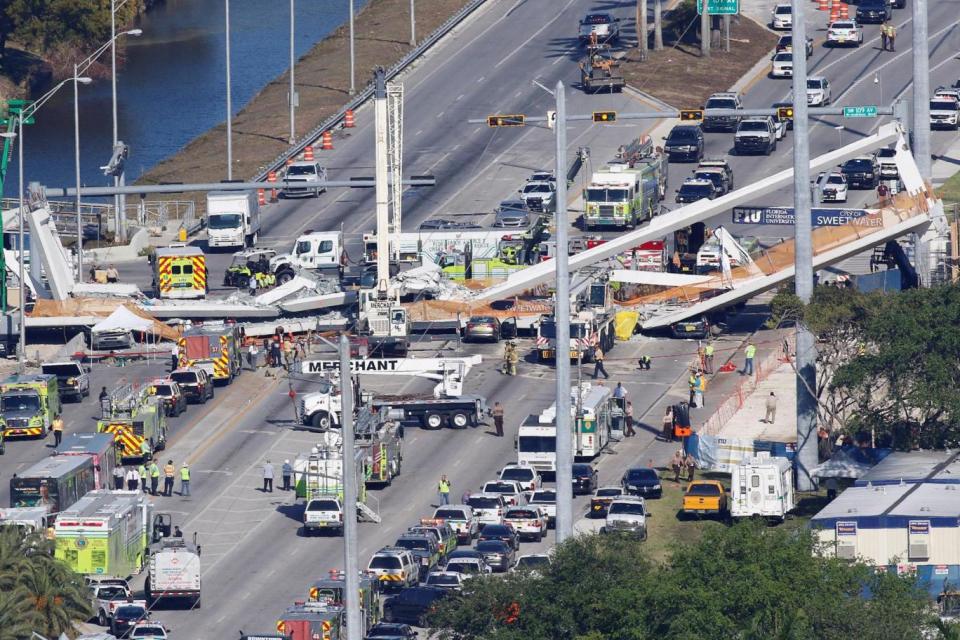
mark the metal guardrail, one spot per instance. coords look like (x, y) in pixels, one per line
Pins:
(367, 92)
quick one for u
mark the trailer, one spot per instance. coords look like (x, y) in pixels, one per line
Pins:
(174, 572)
(762, 485)
(105, 533)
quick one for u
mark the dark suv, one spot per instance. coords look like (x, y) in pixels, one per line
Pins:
(684, 144)
(196, 383)
(584, 479)
(412, 605)
(861, 172)
(873, 11)
(642, 481)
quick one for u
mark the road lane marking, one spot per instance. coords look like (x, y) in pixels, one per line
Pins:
(536, 33)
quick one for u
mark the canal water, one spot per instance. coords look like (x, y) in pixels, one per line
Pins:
(172, 86)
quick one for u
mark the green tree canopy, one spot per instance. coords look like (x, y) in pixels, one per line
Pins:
(747, 581)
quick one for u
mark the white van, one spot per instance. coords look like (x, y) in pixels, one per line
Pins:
(762, 485)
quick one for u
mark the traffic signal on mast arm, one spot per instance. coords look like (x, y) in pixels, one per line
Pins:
(784, 113)
(604, 116)
(691, 115)
(499, 120)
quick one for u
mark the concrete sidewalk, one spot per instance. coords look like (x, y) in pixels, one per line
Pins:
(749, 421)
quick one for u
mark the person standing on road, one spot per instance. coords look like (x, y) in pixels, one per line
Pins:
(884, 43)
(142, 471)
(676, 463)
(708, 358)
(628, 420)
(184, 480)
(750, 353)
(891, 36)
(691, 466)
(252, 352)
(104, 403)
(644, 363)
(174, 356)
(620, 391)
(497, 413)
(598, 367)
(275, 353)
(268, 477)
(168, 475)
(133, 479)
(154, 477)
(113, 276)
(700, 385)
(57, 431)
(692, 386)
(444, 490)
(286, 472)
(118, 474)
(252, 285)
(771, 408)
(667, 424)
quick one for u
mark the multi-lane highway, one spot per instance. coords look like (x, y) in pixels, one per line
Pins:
(255, 563)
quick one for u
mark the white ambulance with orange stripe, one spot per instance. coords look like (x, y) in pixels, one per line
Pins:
(180, 272)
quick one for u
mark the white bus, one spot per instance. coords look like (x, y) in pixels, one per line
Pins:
(537, 437)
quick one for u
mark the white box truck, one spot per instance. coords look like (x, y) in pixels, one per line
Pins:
(762, 485)
(233, 219)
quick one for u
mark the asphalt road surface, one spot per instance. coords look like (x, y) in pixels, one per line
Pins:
(255, 562)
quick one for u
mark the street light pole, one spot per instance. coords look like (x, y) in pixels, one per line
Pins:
(293, 93)
(806, 457)
(921, 90)
(229, 103)
(351, 566)
(413, 24)
(561, 316)
(353, 83)
(22, 346)
(76, 161)
(118, 201)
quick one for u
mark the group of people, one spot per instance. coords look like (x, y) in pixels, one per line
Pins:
(888, 36)
(683, 464)
(286, 473)
(110, 274)
(146, 478)
(281, 351)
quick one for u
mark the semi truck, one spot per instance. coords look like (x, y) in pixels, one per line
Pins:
(320, 410)
(180, 272)
(216, 350)
(233, 219)
(626, 192)
(173, 571)
(105, 533)
(136, 419)
(28, 404)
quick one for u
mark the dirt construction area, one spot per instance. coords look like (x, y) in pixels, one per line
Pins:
(679, 76)
(261, 130)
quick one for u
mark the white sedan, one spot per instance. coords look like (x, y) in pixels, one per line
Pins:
(833, 187)
(782, 65)
(844, 32)
(528, 522)
(782, 17)
(818, 91)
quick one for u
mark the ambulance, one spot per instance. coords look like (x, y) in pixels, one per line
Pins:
(180, 272)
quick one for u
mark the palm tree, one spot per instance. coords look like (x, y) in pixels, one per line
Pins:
(55, 596)
(13, 557)
(14, 625)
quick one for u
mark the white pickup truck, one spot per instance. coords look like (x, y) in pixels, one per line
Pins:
(107, 596)
(323, 514)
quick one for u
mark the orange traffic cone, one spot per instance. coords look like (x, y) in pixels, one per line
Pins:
(261, 197)
(348, 121)
(327, 141)
(272, 177)
(824, 5)
(844, 11)
(289, 161)
(834, 12)
(308, 152)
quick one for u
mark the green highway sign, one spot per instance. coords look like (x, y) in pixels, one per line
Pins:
(860, 112)
(720, 7)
